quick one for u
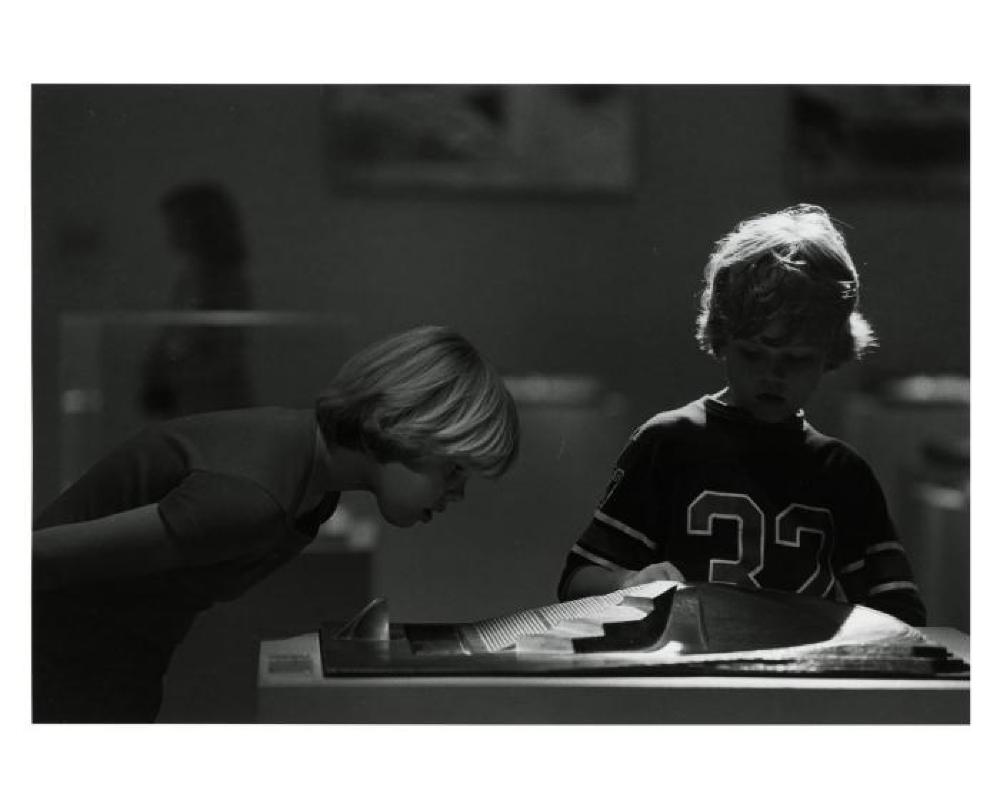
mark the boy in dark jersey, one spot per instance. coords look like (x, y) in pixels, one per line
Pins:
(737, 487)
(196, 510)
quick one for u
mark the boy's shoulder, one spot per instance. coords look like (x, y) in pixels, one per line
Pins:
(272, 446)
(834, 452)
(684, 422)
(690, 415)
(827, 442)
(251, 424)
(691, 426)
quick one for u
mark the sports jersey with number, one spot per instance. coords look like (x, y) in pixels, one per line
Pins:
(729, 499)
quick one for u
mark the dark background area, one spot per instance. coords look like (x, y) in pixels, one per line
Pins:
(602, 285)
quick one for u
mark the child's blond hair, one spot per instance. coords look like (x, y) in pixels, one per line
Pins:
(790, 267)
(422, 394)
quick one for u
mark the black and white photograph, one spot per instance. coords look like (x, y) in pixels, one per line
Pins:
(339, 388)
(471, 406)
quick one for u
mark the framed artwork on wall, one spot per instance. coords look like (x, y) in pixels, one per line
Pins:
(525, 137)
(882, 139)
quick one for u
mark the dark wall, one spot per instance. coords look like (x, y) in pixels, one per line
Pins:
(603, 286)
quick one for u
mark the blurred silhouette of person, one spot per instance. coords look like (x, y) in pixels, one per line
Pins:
(201, 367)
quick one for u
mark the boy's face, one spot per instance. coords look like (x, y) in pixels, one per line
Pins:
(771, 376)
(408, 493)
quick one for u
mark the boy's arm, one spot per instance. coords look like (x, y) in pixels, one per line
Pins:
(208, 518)
(130, 543)
(905, 605)
(876, 571)
(588, 580)
(883, 580)
(615, 549)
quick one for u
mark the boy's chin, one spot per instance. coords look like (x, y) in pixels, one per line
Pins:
(398, 519)
(771, 417)
(772, 413)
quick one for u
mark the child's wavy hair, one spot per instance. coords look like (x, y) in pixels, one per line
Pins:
(792, 267)
(425, 393)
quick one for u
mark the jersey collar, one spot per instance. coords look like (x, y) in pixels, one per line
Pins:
(715, 407)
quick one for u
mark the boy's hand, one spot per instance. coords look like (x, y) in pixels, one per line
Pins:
(664, 570)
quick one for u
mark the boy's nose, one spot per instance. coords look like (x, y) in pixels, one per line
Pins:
(778, 368)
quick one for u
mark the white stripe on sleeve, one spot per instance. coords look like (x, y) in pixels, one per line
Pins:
(885, 546)
(623, 528)
(852, 567)
(597, 559)
(896, 585)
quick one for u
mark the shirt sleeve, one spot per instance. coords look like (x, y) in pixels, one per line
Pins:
(617, 537)
(873, 569)
(215, 517)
